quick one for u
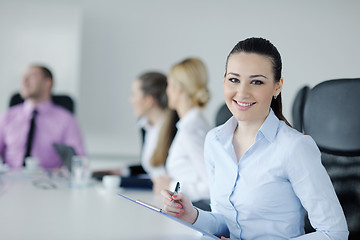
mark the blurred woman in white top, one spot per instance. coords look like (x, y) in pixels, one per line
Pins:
(157, 124)
(187, 94)
(150, 105)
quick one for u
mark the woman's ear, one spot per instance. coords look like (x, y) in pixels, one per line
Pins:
(149, 101)
(278, 87)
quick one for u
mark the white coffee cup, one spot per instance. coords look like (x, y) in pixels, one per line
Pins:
(111, 182)
(31, 163)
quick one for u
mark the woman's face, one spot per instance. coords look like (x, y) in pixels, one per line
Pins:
(249, 86)
(139, 100)
(172, 91)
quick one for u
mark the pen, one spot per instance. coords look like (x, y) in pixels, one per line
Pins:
(177, 188)
(176, 191)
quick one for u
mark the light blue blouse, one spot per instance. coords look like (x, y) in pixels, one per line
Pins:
(263, 196)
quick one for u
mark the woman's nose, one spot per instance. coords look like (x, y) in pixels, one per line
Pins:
(242, 90)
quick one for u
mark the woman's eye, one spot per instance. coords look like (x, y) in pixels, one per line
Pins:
(256, 82)
(234, 80)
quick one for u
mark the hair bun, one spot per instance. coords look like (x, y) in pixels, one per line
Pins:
(202, 96)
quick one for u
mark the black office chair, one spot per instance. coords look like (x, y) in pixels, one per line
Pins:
(61, 100)
(222, 115)
(332, 118)
(298, 108)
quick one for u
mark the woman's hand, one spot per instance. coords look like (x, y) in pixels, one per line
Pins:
(224, 238)
(179, 206)
(160, 183)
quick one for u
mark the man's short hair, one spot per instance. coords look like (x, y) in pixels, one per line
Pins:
(46, 71)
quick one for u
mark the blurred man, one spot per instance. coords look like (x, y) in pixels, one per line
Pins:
(31, 128)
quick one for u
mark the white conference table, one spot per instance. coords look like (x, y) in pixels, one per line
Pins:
(28, 211)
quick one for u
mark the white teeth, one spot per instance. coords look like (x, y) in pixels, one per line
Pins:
(244, 104)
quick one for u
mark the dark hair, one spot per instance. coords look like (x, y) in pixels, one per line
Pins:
(45, 71)
(266, 48)
(154, 84)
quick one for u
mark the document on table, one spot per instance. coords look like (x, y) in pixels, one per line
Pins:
(158, 210)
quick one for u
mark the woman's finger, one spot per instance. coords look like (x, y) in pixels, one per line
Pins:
(174, 208)
(177, 197)
(168, 201)
(166, 193)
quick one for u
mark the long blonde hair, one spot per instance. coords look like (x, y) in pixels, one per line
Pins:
(191, 75)
(166, 136)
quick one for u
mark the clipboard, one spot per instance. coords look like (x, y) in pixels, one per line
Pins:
(160, 211)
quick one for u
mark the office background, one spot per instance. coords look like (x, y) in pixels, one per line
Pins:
(97, 48)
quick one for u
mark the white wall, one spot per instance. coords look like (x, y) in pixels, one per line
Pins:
(318, 40)
(39, 32)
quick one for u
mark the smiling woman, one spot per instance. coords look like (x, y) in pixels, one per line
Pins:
(263, 173)
(249, 86)
(261, 64)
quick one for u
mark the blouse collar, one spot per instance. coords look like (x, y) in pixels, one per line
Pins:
(188, 117)
(268, 129)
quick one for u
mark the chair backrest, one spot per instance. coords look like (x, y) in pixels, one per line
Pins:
(332, 116)
(222, 115)
(298, 108)
(64, 101)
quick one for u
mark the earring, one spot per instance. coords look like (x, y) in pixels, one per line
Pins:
(275, 96)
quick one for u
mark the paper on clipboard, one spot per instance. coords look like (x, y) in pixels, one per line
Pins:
(159, 210)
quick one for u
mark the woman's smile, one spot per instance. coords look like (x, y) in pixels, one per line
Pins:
(243, 106)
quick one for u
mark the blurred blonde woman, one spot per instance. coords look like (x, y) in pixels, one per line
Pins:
(187, 94)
